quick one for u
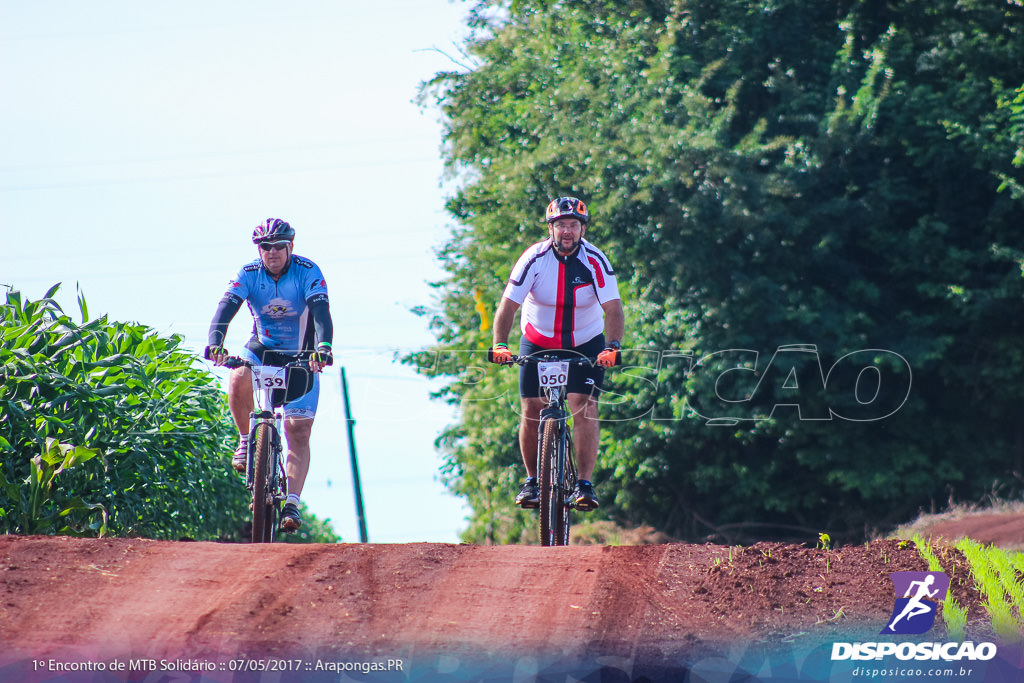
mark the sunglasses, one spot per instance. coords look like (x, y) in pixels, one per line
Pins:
(267, 246)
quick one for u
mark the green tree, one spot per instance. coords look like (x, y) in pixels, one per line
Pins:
(762, 174)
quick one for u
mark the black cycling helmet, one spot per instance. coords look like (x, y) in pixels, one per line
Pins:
(567, 206)
(273, 230)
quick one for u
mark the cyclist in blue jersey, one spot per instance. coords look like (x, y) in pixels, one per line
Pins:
(287, 296)
(570, 301)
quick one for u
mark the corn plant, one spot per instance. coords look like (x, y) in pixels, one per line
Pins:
(108, 427)
(994, 575)
(39, 507)
(1013, 586)
(953, 614)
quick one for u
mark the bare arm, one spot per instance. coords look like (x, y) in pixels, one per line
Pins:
(503, 318)
(614, 321)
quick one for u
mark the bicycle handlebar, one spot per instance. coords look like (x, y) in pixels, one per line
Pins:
(533, 360)
(232, 362)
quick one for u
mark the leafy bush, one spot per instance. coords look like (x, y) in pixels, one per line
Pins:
(107, 427)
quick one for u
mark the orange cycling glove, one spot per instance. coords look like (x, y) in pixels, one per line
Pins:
(500, 354)
(610, 356)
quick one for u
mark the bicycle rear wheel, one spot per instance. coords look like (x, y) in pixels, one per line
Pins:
(550, 498)
(264, 508)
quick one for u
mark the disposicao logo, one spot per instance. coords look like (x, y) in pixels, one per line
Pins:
(918, 595)
(921, 593)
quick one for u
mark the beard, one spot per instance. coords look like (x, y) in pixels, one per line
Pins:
(562, 249)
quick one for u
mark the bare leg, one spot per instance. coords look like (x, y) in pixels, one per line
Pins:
(240, 401)
(586, 433)
(297, 431)
(529, 420)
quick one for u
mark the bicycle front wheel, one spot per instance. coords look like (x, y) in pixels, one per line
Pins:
(264, 508)
(547, 472)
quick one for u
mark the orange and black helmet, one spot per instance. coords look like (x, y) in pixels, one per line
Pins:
(567, 207)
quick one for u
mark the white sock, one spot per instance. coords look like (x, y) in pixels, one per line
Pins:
(293, 499)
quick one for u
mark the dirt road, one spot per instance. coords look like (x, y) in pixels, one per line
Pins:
(457, 610)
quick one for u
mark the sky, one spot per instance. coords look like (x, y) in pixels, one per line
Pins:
(140, 143)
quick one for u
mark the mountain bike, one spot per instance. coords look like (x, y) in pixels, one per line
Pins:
(264, 471)
(556, 454)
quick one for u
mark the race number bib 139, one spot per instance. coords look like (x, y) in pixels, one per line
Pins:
(269, 377)
(553, 374)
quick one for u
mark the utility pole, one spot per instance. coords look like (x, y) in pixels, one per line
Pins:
(360, 514)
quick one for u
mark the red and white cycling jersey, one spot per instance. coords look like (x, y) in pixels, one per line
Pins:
(562, 297)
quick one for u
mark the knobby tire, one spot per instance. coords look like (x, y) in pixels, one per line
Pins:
(264, 510)
(551, 500)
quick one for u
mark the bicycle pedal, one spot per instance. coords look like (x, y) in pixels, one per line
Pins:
(582, 506)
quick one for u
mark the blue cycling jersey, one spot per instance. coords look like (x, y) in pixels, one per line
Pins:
(283, 310)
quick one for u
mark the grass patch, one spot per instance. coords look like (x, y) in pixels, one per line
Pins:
(605, 532)
(999, 577)
(923, 525)
(1001, 585)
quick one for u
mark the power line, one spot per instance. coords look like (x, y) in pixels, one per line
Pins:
(389, 9)
(377, 144)
(50, 258)
(213, 176)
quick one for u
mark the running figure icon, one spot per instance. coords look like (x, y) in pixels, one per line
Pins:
(915, 607)
(922, 591)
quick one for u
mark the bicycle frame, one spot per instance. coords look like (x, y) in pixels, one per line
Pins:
(265, 413)
(264, 475)
(561, 466)
(556, 455)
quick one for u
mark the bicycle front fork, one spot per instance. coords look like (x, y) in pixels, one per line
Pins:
(564, 438)
(255, 420)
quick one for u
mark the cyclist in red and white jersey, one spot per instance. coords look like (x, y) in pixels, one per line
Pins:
(570, 300)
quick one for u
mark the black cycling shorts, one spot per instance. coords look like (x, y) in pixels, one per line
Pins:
(583, 379)
(300, 380)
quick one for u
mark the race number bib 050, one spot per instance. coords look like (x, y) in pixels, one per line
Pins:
(553, 374)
